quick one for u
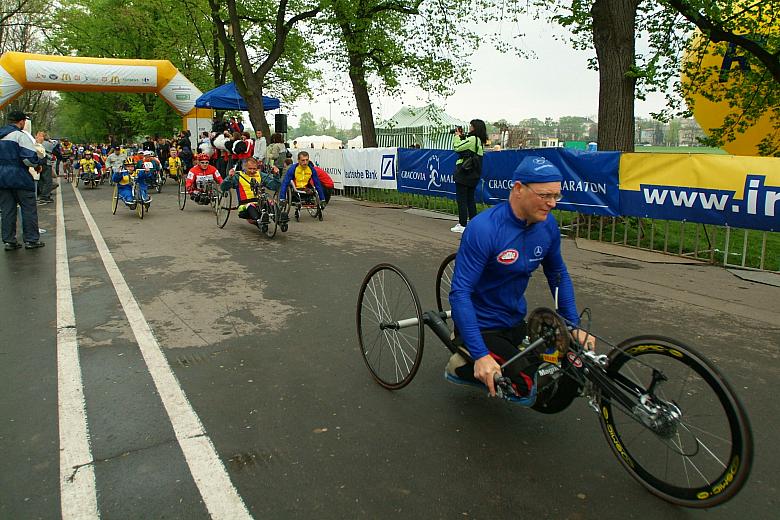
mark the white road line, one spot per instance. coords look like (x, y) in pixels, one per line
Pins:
(77, 475)
(221, 498)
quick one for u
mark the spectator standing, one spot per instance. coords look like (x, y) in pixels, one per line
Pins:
(276, 152)
(260, 146)
(468, 169)
(148, 145)
(45, 184)
(163, 150)
(186, 158)
(17, 187)
(235, 125)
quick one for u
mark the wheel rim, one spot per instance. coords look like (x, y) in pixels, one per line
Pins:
(444, 282)
(223, 208)
(273, 219)
(699, 460)
(182, 195)
(115, 200)
(393, 356)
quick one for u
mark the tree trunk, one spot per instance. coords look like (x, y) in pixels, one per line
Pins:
(614, 32)
(357, 74)
(254, 105)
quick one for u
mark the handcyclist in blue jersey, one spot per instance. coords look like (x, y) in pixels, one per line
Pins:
(499, 251)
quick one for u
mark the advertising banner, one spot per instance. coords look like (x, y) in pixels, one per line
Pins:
(59, 72)
(426, 172)
(736, 191)
(329, 160)
(370, 167)
(590, 179)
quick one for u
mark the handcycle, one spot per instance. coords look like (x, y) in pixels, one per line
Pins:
(67, 169)
(158, 181)
(668, 414)
(306, 198)
(208, 193)
(267, 205)
(90, 179)
(138, 205)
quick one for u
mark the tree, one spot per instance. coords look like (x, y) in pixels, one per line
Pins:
(614, 29)
(264, 28)
(666, 26)
(572, 128)
(306, 125)
(392, 40)
(137, 30)
(20, 24)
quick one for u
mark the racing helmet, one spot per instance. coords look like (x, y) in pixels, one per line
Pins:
(129, 162)
(202, 157)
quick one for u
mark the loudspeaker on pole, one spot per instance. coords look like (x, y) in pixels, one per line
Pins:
(280, 123)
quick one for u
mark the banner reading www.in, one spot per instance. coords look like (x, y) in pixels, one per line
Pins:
(736, 191)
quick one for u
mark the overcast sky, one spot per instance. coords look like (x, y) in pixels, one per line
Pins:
(504, 86)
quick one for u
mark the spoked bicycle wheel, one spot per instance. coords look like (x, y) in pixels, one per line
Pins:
(444, 282)
(390, 341)
(272, 214)
(115, 199)
(689, 441)
(182, 192)
(224, 205)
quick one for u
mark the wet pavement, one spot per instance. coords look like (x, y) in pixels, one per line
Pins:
(260, 335)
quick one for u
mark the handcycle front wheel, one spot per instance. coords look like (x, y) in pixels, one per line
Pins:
(272, 214)
(224, 205)
(697, 450)
(115, 199)
(182, 193)
(391, 343)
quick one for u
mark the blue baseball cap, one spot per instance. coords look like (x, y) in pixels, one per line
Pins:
(534, 168)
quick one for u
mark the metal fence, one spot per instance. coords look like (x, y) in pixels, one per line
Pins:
(723, 245)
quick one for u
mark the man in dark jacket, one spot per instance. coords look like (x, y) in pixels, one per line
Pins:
(17, 187)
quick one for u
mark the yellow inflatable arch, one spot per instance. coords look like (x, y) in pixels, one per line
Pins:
(22, 71)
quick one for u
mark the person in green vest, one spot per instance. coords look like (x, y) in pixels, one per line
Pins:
(468, 169)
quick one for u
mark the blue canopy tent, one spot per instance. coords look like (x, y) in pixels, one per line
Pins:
(226, 97)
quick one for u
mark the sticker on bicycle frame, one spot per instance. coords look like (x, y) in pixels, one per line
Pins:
(508, 256)
(574, 360)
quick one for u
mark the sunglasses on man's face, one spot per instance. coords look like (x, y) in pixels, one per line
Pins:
(203, 162)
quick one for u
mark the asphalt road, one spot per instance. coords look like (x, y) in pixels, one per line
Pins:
(260, 335)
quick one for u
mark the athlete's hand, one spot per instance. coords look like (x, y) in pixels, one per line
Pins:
(484, 370)
(585, 339)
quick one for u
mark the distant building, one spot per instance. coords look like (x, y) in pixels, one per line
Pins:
(550, 142)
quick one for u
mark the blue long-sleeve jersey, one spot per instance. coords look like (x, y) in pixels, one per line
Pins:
(290, 175)
(497, 255)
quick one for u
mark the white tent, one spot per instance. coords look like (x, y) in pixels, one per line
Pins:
(318, 142)
(357, 142)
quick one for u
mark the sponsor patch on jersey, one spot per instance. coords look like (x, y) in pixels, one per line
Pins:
(508, 256)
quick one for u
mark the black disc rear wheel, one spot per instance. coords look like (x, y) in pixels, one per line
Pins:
(689, 442)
